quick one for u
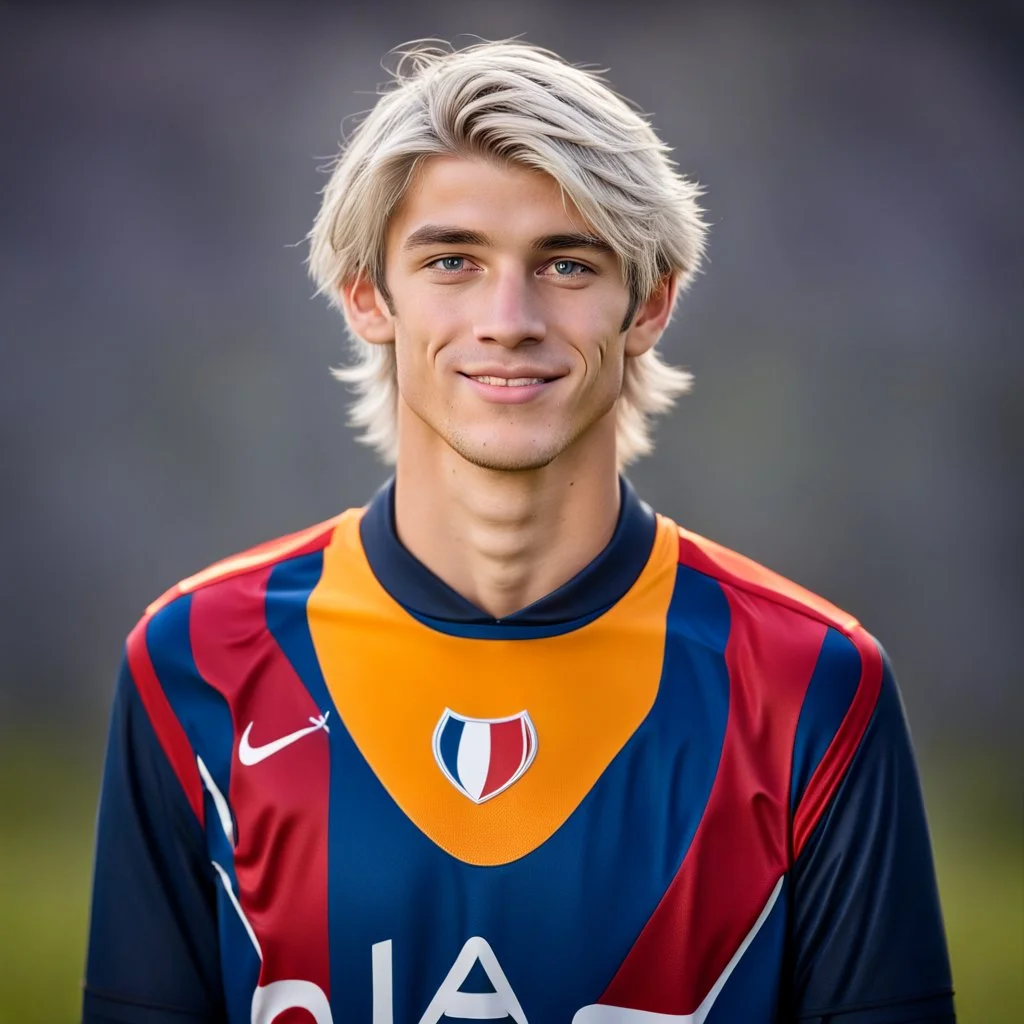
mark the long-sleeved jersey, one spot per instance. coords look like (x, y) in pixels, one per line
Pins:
(677, 790)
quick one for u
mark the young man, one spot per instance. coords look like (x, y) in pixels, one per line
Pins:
(506, 745)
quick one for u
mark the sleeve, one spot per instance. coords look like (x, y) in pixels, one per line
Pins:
(867, 944)
(153, 951)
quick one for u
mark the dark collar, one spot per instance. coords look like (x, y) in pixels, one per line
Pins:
(593, 590)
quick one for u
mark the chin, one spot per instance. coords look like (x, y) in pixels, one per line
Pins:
(505, 457)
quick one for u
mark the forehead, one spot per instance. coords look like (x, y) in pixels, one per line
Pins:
(501, 200)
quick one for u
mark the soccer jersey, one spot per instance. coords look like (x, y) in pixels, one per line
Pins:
(679, 789)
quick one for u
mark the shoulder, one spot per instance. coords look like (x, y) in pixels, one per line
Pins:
(227, 596)
(225, 577)
(744, 577)
(765, 604)
(260, 558)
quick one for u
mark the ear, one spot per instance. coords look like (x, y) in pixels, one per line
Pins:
(367, 312)
(651, 317)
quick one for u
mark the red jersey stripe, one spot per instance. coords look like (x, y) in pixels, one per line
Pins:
(168, 729)
(742, 846)
(830, 772)
(280, 794)
(730, 567)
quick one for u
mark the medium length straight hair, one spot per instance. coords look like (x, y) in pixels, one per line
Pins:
(513, 102)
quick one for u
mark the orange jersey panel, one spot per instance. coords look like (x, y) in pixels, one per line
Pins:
(392, 678)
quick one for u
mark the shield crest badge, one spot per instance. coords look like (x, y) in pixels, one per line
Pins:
(482, 757)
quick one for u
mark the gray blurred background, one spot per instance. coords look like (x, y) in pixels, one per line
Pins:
(857, 421)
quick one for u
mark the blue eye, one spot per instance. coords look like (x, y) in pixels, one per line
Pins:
(450, 263)
(568, 268)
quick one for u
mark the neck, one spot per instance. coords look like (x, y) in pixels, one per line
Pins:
(506, 539)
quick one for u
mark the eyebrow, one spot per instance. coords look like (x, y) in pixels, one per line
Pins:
(441, 234)
(573, 240)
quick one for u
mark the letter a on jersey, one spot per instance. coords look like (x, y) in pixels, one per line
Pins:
(482, 757)
(450, 1001)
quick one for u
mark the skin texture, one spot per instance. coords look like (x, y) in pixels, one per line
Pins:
(504, 492)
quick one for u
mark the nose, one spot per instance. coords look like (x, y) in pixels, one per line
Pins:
(509, 314)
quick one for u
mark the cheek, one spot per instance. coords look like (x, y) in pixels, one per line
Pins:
(420, 355)
(425, 323)
(594, 326)
(602, 349)
(408, 357)
(610, 382)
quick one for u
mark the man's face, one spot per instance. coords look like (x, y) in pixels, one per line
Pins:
(506, 312)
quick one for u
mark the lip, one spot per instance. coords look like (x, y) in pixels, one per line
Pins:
(515, 372)
(505, 394)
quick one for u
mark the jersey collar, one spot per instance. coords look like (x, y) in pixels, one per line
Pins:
(593, 590)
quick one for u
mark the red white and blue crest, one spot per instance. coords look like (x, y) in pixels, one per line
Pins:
(482, 757)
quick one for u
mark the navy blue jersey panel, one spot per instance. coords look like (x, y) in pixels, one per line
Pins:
(240, 962)
(754, 981)
(937, 1010)
(97, 1009)
(153, 934)
(288, 589)
(829, 696)
(866, 925)
(580, 600)
(699, 612)
(505, 629)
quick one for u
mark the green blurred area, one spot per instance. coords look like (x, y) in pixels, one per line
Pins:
(47, 811)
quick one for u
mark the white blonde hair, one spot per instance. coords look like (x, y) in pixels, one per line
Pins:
(510, 101)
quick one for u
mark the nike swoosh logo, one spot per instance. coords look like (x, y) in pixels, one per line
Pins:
(250, 755)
